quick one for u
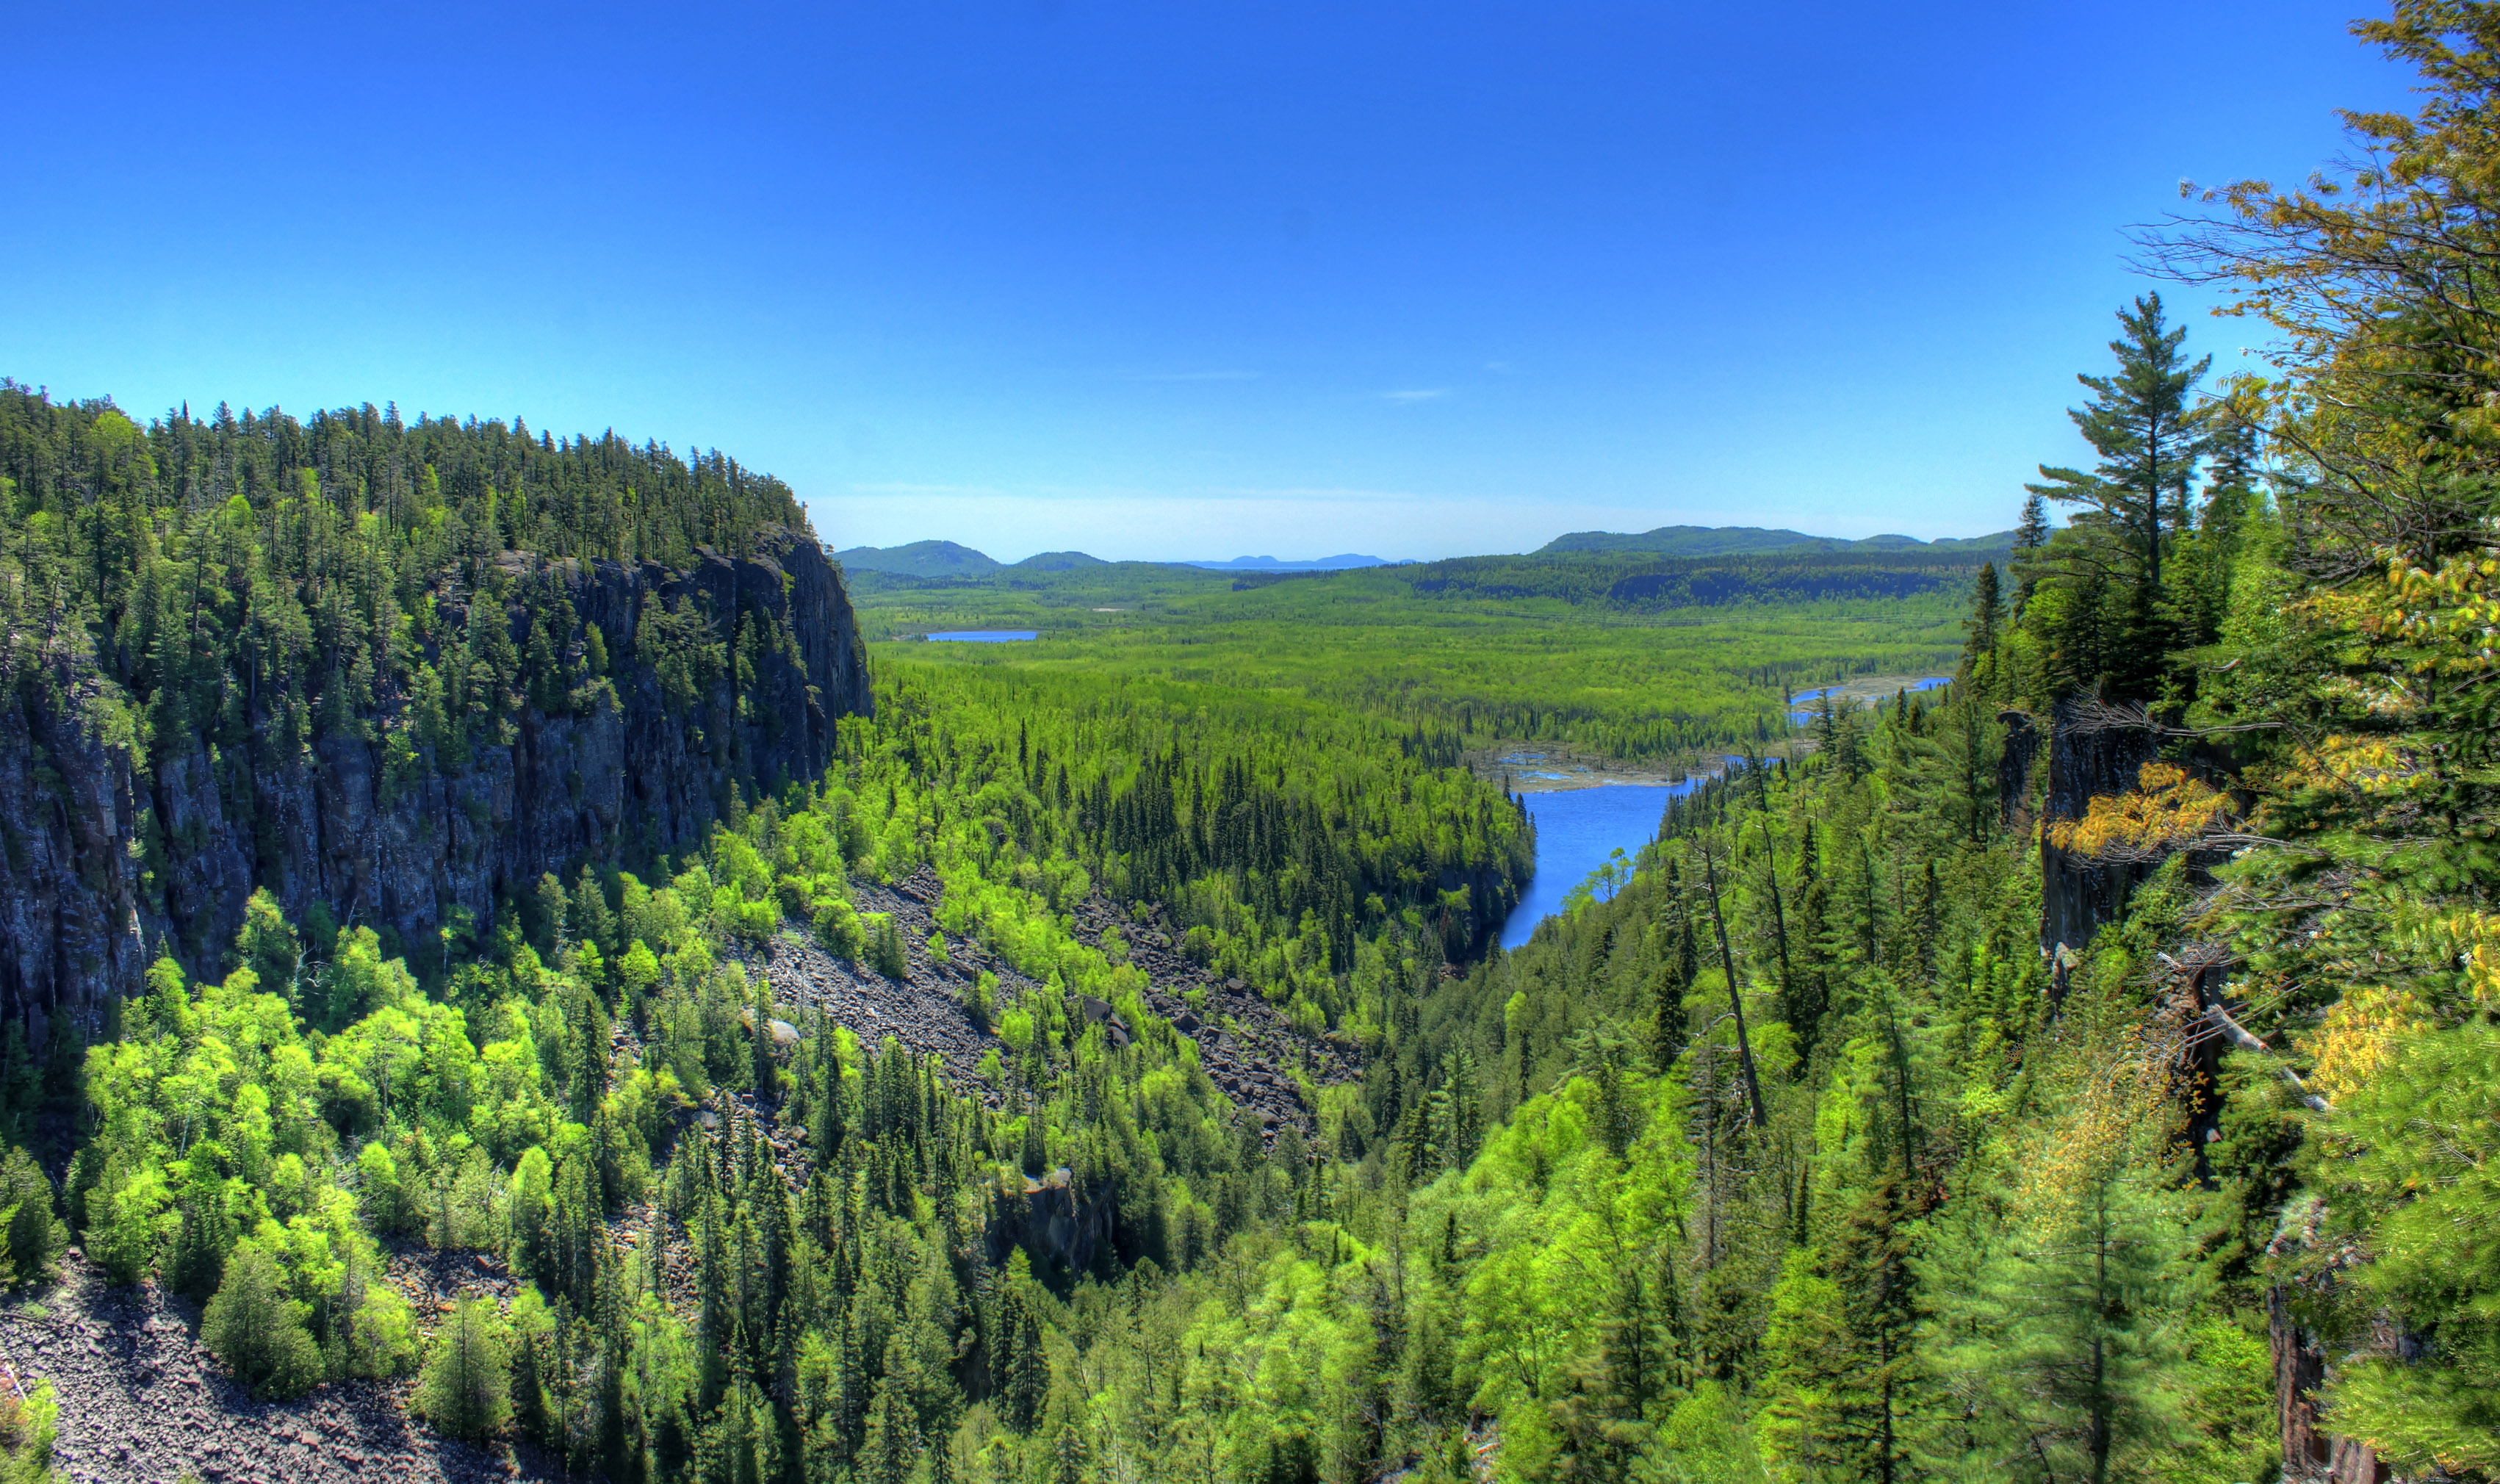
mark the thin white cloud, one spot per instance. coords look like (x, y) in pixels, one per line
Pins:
(1421, 394)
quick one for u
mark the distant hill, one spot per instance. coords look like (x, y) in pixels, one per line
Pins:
(920, 559)
(2002, 541)
(1057, 561)
(1755, 541)
(1341, 562)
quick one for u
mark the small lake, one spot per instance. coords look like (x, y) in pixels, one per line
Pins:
(986, 636)
(1576, 830)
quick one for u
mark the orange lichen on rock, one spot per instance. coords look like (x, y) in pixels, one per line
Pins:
(2167, 809)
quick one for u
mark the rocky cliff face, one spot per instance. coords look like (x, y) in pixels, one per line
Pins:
(112, 857)
(2091, 756)
(2078, 895)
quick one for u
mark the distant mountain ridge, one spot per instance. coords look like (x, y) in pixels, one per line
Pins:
(1056, 561)
(1755, 541)
(1341, 562)
(919, 559)
(947, 559)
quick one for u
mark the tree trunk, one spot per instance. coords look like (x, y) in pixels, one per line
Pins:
(2299, 1369)
(1735, 997)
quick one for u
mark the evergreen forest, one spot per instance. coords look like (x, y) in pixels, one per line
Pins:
(2084, 1071)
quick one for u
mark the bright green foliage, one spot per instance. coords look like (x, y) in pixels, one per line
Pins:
(1547, 1199)
(268, 944)
(195, 1262)
(1296, 847)
(26, 1432)
(885, 951)
(299, 562)
(1933, 1205)
(2068, 1369)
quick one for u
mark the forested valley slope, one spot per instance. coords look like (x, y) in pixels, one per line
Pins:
(491, 987)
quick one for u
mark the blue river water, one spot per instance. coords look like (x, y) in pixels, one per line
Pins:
(1576, 830)
(987, 636)
(1803, 714)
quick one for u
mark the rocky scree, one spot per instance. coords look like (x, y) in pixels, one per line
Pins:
(141, 1403)
(1245, 1044)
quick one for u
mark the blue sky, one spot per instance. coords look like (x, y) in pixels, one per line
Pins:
(1163, 280)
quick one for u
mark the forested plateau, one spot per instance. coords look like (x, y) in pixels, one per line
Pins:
(1073, 1066)
(384, 671)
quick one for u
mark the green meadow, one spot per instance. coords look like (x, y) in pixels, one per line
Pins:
(1636, 658)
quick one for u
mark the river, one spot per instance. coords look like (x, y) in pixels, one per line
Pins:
(1864, 692)
(1576, 830)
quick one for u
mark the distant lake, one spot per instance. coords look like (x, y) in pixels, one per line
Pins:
(986, 636)
(1576, 830)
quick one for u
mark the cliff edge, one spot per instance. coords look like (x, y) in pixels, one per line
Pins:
(671, 687)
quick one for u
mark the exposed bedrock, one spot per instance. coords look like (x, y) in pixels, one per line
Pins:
(112, 859)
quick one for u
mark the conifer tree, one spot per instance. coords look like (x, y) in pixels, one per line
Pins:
(892, 1442)
(576, 1238)
(2030, 538)
(195, 1265)
(465, 1388)
(1466, 1108)
(530, 1213)
(2065, 1337)
(2150, 441)
(552, 908)
(1987, 617)
(594, 923)
(33, 1235)
(1020, 1372)
(259, 1330)
(268, 946)
(766, 1070)
(1736, 995)
(2408, 1170)
(1871, 1259)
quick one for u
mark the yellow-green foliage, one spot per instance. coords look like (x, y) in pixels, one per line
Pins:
(1552, 1221)
(26, 1432)
(221, 1119)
